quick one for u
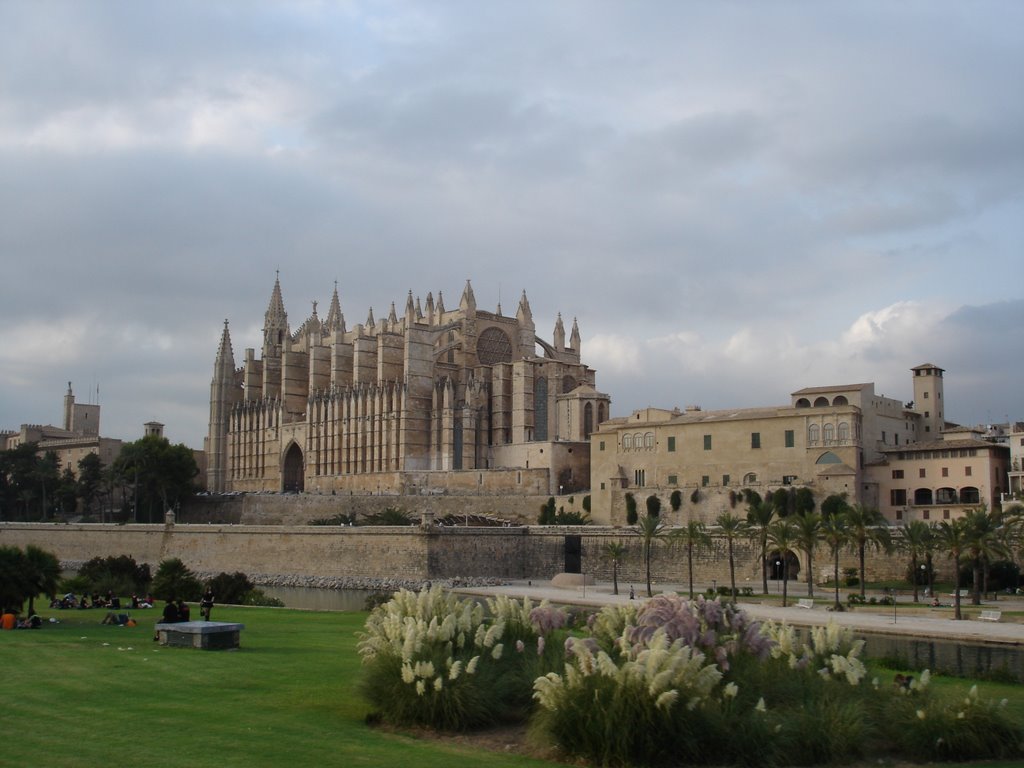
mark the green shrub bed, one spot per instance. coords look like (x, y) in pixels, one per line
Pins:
(669, 682)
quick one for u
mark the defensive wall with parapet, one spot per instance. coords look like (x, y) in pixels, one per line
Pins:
(413, 553)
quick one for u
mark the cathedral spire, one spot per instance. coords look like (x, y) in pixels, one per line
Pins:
(370, 322)
(393, 317)
(224, 365)
(440, 306)
(468, 301)
(559, 334)
(524, 314)
(275, 323)
(430, 307)
(574, 338)
(334, 320)
(410, 311)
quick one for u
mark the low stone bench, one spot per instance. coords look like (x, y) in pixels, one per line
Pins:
(200, 634)
(991, 615)
(805, 602)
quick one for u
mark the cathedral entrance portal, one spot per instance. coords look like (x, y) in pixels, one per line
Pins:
(292, 476)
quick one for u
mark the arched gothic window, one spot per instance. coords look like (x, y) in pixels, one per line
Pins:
(844, 432)
(627, 442)
(649, 441)
(828, 434)
(813, 434)
(540, 408)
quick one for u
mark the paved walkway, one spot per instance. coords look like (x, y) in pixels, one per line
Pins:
(918, 622)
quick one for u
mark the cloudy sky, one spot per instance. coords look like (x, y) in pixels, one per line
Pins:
(735, 199)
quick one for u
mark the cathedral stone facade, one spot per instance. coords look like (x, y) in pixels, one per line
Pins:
(432, 401)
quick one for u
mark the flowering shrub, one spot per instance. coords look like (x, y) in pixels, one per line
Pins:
(831, 650)
(923, 726)
(639, 709)
(434, 659)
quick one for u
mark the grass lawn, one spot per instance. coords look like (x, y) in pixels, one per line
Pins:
(80, 693)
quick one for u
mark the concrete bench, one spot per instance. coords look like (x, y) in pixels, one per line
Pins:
(964, 593)
(990, 615)
(200, 634)
(804, 602)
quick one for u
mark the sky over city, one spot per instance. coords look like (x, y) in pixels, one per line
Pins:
(734, 200)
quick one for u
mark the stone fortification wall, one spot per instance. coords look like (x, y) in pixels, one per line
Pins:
(412, 553)
(381, 552)
(300, 509)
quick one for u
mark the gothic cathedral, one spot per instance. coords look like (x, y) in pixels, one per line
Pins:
(457, 401)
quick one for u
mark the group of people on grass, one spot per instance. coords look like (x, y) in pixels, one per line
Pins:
(9, 620)
(176, 611)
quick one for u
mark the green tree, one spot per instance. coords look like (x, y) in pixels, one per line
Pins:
(804, 501)
(42, 573)
(15, 586)
(231, 588)
(67, 491)
(808, 525)
(984, 544)
(675, 501)
(731, 526)
(691, 535)
(916, 541)
(614, 552)
(653, 505)
(868, 530)
(784, 535)
(759, 517)
(48, 478)
(120, 575)
(650, 528)
(90, 480)
(18, 485)
(834, 505)
(784, 501)
(834, 534)
(173, 580)
(631, 513)
(161, 475)
(547, 512)
(951, 537)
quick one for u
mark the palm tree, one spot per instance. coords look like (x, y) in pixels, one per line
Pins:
(731, 527)
(867, 528)
(614, 551)
(984, 543)
(916, 541)
(834, 533)
(692, 534)
(951, 536)
(759, 517)
(650, 528)
(783, 534)
(808, 526)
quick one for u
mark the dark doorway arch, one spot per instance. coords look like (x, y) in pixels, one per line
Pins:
(292, 475)
(776, 569)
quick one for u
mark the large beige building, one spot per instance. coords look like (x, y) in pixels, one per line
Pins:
(939, 479)
(832, 439)
(78, 437)
(434, 400)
